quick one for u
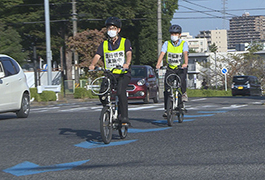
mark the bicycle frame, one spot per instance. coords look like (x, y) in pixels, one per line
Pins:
(175, 95)
(175, 106)
(109, 116)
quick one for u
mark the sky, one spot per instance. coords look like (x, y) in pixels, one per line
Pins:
(199, 15)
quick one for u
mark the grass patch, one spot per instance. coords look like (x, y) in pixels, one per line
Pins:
(208, 93)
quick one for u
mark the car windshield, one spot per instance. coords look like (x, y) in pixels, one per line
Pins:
(240, 80)
(138, 72)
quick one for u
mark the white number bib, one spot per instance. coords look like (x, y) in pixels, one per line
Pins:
(114, 58)
(174, 59)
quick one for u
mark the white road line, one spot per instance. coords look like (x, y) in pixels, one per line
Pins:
(234, 106)
(209, 106)
(99, 107)
(201, 99)
(43, 109)
(159, 109)
(139, 108)
(75, 109)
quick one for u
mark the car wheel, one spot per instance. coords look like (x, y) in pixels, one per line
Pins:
(260, 93)
(156, 99)
(146, 99)
(25, 107)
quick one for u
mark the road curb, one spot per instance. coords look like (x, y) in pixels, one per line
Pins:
(63, 101)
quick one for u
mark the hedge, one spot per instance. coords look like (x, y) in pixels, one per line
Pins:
(207, 93)
(48, 96)
(44, 96)
(83, 93)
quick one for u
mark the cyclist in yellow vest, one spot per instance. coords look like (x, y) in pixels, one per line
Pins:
(176, 51)
(116, 51)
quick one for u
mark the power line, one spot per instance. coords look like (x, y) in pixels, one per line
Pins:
(51, 4)
(196, 17)
(207, 7)
(200, 11)
(252, 9)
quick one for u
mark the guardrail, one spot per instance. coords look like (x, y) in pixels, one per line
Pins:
(54, 88)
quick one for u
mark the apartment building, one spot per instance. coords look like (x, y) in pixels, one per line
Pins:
(246, 29)
(199, 45)
(217, 37)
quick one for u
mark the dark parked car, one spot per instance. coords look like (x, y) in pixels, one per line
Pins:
(144, 84)
(246, 85)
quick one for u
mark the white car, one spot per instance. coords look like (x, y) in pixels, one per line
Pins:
(14, 90)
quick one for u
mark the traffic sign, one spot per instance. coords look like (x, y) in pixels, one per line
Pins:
(224, 70)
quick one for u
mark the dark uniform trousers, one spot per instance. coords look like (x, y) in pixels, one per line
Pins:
(122, 81)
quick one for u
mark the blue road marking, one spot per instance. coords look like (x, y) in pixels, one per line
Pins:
(131, 130)
(209, 112)
(28, 168)
(93, 144)
(192, 116)
(176, 121)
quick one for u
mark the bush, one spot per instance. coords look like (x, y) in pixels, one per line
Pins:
(34, 94)
(207, 93)
(48, 96)
(83, 93)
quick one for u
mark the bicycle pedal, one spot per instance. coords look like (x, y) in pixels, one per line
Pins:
(125, 124)
(184, 109)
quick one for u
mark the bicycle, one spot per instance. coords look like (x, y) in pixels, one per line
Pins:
(175, 105)
(109, 116)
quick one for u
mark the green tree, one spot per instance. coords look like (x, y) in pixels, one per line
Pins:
(236, 64)
(139, 18)
(192, 51)
(254, 64)
(139, 22)
(27, 18)
(254, 47)
(213, 48)
(86, 44)
(10, 44)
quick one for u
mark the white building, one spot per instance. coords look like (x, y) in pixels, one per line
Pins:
(199, 45)
(217, 37)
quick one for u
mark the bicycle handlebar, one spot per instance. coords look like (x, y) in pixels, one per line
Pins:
(107, 70)
(165, 67)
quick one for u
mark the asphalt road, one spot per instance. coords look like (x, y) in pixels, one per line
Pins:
(220, 138)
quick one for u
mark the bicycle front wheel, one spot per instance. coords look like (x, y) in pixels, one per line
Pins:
(169, 111)
(105, 125)
(123, 130)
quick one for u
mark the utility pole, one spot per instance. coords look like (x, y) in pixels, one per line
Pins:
(74, 18)
(215, 71)
(48, 40)
(35, 65)
(159, 28)
(224, 11)
(159, 45)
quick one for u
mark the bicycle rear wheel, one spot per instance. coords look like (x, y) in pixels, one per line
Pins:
(180, 116)
(123, 130)
(105, 125)
(169, 111)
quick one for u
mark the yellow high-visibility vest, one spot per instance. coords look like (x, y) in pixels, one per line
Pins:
(175, 55)
(112, 58)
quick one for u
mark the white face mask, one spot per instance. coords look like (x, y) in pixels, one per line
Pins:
(112, 33)
(174, 38)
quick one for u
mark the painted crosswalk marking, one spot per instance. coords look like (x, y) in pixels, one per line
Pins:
(132, 107)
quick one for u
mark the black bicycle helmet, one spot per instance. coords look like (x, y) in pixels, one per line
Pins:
(175, 29)
(113, 21)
